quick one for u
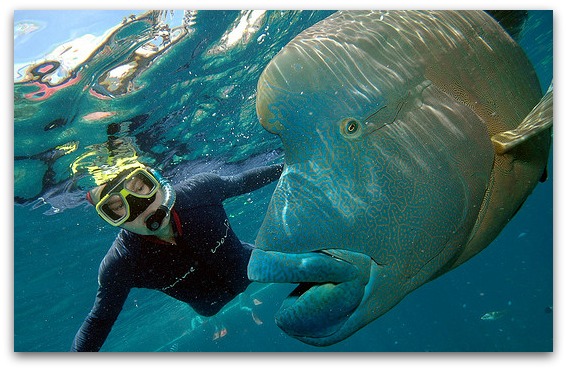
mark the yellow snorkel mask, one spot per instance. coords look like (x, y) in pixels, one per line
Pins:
(129, 194)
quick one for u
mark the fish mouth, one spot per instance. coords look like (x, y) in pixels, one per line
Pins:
(330, 289)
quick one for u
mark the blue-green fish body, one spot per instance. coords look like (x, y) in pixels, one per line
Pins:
(410, 142)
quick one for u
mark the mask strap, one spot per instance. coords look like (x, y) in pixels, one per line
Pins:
(89, 198)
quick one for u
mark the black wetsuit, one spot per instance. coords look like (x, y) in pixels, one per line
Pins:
(206, 268)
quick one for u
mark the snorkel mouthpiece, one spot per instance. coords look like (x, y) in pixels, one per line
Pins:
(154, 221)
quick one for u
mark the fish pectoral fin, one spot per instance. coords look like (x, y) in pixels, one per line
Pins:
(537, 121)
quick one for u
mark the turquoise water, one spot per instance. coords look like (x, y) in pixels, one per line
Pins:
(187, 107)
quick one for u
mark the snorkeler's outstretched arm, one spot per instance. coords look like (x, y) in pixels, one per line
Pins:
(250, 180)
(111, 295)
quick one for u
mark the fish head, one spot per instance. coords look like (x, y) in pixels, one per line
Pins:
(327, 115)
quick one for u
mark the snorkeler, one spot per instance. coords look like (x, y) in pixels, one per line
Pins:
(174, 239)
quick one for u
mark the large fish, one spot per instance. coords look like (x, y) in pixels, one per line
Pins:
(411, 138)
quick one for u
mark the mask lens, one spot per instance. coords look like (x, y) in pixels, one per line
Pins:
(140, 184)
(114, 207)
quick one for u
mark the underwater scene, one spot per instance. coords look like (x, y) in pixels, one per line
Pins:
(183, 93)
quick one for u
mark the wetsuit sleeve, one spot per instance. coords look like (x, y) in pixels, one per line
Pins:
(112, 292)
(250, 180)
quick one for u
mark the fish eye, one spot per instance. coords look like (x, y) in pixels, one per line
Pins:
(350, 128)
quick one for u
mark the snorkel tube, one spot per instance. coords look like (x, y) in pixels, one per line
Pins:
(154, 221)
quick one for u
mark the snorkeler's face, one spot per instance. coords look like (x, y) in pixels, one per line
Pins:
(129, 200)
(138, 225)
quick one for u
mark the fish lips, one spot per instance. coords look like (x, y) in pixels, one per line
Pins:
(331, 288)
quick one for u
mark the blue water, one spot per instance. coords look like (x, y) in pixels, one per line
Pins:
(192, 110)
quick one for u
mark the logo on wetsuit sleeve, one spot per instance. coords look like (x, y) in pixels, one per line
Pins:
(177, 280)
(221, 242)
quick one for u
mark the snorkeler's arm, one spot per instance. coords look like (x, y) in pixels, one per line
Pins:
(111, 295)
(250, 180)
